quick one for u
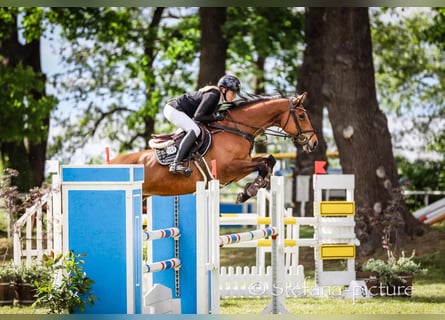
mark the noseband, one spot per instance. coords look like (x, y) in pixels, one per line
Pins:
(300, 138)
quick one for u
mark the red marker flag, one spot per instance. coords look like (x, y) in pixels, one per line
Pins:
(319, 167)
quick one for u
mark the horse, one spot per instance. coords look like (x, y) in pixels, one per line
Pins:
(228, 157)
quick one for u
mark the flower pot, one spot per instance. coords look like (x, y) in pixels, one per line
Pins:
(371, 280)
(26, 293)
(7, 292)
(401, 286)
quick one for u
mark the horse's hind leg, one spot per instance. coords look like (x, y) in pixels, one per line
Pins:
(264, 166)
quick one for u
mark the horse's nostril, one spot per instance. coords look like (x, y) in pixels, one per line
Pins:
(315, 144)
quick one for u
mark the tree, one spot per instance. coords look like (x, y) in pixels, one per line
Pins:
(213, 45)
(360, 128)
(25, 112)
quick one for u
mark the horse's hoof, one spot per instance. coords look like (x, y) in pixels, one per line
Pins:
(241, 197)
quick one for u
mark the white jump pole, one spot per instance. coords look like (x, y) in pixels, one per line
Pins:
(207, 251)
(276, 207)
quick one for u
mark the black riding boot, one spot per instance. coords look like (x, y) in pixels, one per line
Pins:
(186, 144)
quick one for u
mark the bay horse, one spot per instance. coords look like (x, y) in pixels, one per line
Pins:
(231, 145)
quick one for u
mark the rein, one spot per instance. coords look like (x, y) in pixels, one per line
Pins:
(261, 130)
(249, 137)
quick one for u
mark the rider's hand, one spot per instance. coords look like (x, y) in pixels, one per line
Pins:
(220, 115)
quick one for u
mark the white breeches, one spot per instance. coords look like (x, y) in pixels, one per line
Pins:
(180, 119)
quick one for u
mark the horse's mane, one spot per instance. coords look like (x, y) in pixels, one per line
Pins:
(248, 99)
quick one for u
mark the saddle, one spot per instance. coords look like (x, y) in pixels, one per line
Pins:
(166, 146)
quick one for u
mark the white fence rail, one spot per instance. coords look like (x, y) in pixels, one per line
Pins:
(39, 229)
(424, 193)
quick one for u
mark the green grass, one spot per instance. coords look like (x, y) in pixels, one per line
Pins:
(427, 298)
(338, 306)
(22, 310)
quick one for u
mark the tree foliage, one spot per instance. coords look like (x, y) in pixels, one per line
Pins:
(123, 67)
(267, 44)
(410, 67)
(21, 114)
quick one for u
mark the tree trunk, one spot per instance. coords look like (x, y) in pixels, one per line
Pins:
(310, 79)
(37, 150)
(149, 51)
(360, 128)
(212, 62)
(260, 143)
(260, 62)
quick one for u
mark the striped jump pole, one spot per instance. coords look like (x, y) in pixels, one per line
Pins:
(263, 243)
(162, 265)
(247, 236)
(161, 234)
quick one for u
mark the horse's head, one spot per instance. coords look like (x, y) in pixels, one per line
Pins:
(297, 124)
(262, 112)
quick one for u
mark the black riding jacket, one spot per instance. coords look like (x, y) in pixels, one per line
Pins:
(200, 105)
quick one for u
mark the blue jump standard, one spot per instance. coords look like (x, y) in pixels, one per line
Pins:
(102, 208)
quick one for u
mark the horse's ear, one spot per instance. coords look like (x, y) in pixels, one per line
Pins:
(300, 98)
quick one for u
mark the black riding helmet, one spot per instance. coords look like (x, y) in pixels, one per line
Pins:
(230, 83)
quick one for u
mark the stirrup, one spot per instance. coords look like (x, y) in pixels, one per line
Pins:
(178, 168)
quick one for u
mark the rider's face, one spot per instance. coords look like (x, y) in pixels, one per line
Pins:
(230, 95)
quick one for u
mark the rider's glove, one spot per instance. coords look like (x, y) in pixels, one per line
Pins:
(220, 115)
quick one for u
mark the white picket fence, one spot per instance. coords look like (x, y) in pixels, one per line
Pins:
(256, 281)
(39, 230)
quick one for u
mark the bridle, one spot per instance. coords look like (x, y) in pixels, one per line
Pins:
(299, 138)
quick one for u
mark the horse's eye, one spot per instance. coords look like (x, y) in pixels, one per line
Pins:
(302, 116)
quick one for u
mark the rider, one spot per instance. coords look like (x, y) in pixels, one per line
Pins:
(199, 106)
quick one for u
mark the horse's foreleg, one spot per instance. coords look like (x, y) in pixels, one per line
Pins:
(268, 159)
(264, 165)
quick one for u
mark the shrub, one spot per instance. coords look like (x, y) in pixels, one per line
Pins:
(66, 286)
(388, 271)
